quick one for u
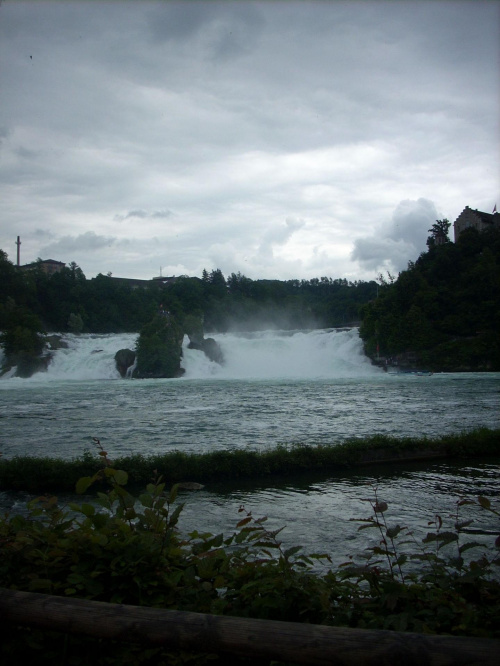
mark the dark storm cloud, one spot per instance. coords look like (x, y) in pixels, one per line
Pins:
(224, 29)
(180, 21)
(400, 241)
(43, 234)
(136, 213)
(162, 214)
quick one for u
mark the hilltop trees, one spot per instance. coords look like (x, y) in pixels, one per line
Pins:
(20, 327)
(439, 233)
(444, 309)
(21, 339)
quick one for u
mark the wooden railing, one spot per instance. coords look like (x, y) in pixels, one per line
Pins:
(315, 645)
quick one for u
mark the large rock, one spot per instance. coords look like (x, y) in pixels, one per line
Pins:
(213, 350)
(193, 326)
(54, 342)
(124, 359)
(28, 363)
(209, 347)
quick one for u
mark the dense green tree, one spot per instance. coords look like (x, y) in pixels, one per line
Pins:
(21, 332)
(21, 339)
(75, 323)
(105, 304)
(439, 233)
(185, 295)
(445, 307)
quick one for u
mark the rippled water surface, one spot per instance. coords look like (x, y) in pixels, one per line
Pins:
(309, 388)
(193, 415)
(320, 515)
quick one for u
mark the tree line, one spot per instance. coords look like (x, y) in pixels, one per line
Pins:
(32, 302)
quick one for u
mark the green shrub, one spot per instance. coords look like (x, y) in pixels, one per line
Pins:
(159, 348)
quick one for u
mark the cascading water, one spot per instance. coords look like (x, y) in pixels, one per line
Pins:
(87, 357)
(275, 388)
(320, 354)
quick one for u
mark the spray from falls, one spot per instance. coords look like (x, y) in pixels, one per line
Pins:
(283, 354)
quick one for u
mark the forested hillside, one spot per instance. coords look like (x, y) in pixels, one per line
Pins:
(443, 312)
(67, 301)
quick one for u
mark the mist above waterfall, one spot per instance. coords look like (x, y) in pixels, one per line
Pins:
(270, 318)
(324, 353)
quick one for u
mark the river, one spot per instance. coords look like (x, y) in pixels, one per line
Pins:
(275, 388)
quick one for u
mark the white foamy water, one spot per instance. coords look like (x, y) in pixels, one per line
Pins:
(86, 357)
(303, 387)
(316, 354)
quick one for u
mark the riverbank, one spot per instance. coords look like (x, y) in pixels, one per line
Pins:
(46, 474)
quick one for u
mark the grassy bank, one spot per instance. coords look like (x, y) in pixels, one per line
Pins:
(55, 475)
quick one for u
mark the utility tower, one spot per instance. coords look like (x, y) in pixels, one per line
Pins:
(18, 243)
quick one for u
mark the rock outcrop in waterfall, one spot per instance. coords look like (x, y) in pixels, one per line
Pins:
(159, 348)
(193, 327)
(124, 359)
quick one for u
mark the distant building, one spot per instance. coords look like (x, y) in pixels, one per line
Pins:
(134, 283)
(476, 219)
(163, 280)
(48, 266)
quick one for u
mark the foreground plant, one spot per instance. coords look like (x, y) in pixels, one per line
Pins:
(126, 548)
(435, 585)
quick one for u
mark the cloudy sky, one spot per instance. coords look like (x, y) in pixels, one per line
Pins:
(280, 139)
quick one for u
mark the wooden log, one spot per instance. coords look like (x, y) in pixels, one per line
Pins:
(315, 645)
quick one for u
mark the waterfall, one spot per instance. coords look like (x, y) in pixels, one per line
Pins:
(283, 354)
(86, 357)
(130, 370)
(325, 353)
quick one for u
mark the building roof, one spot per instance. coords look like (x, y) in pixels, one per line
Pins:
(488, 218)
(43, 262)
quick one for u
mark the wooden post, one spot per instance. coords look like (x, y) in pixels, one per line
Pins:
(315, 645)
